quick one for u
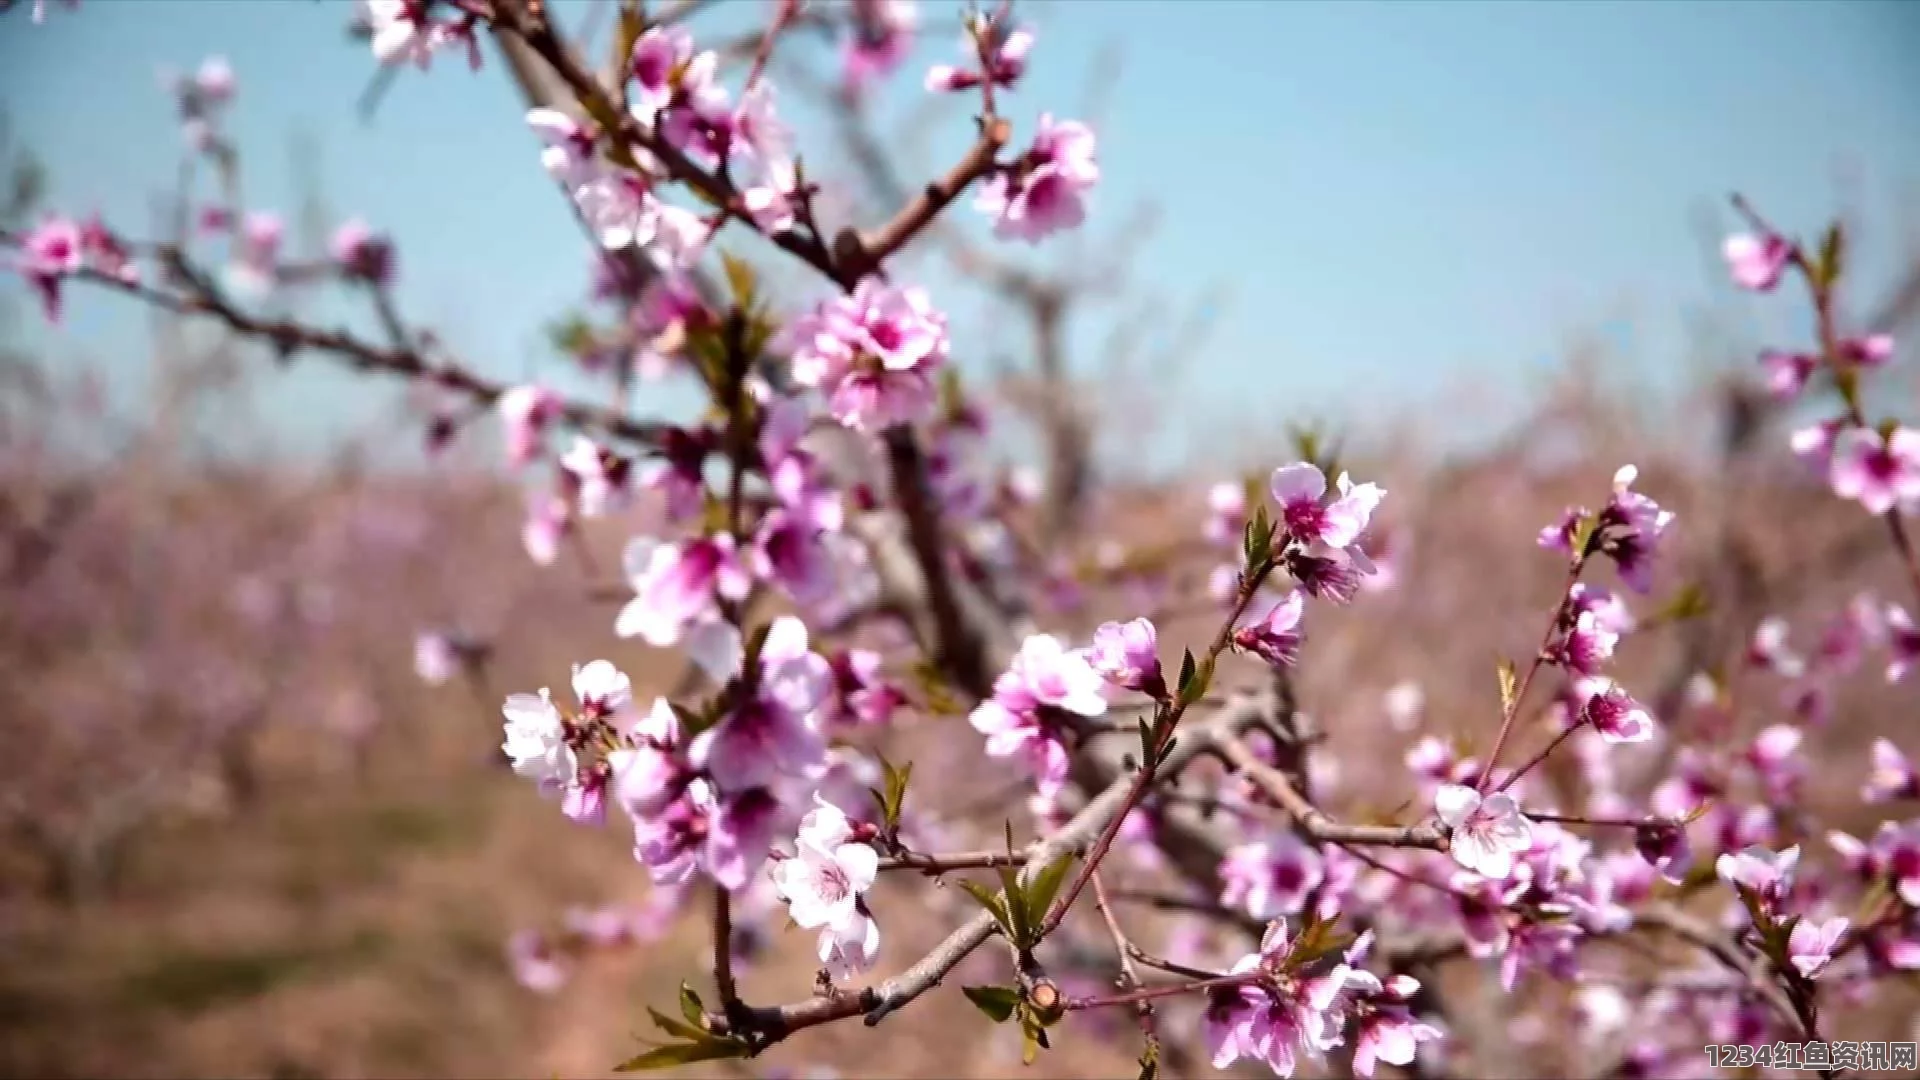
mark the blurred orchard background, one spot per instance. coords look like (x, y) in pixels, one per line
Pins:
(1476, 243)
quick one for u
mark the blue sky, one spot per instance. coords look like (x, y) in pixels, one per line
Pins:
(1394, 194)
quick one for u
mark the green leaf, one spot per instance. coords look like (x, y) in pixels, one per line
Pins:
(998, 1002)
(1509, 687)
(1833, 250)
(1046, 885)
(691, 1008)
(1150, 1061)
(1194, 684)
(677, 1027)
(1690, 602)
(740, 279)
(1187, 668)
(1016, 900)
(666, 1057)
(992, 902)
(1583, 531)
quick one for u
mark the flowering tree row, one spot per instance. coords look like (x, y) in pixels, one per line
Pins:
(838, 483)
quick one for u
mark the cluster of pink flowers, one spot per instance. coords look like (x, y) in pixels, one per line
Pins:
(1877, 466)
(755, 779)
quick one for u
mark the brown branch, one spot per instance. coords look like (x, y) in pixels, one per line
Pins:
(1274, 784)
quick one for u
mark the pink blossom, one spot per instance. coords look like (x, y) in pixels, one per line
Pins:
(1766, 874)
(1044, 672)
(861, 694)
(400, 31)
(534, 962)
(1814, 443)
(48, 254)
(1892, 776)
(1274, 634)
(881, 39)
(1586, 645)
(775, 732)
(1769, 649)
(650, 774)
(362, 254)
(1127, 655)
(787, 552)
(1614, 714)
(1774, 756)
(676, 585)
(549, 519)
(1226, 513)
(1756, 262)
(1632, 526)
(1874, 469)
(740, 831)
(1787, 372)
(822, 884)
(1896, 850)
(1300, 489)
(1270, 878)
(1005, 48)
(567, 152)
(662, 59)
(1903, 643)
(526, 411)
(1811, 945)
(598, 475)
(873, 354)
(679, 473)
(1041, 193)
(1665, 848)
(435, 658)
(1486, 832)
(1280, 1020)
(1868, 351)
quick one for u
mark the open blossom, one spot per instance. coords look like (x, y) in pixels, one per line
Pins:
(599, 476)
(822, 883)
(1300, 490)
(676, 585)
(1127, 655)
(775, 732)
(1769, 649)
(402, 32)
(436, 658)
(1486, 833)
(1614, 714)
(1041, 193)
(1767, 874)
(548, 520)
(526, 411)
(537, 741)
(1756, 262)
(1278, 1021)
(254, 268)
(1787, 372)
(881, 39)
(1226, 513)
(1044, 672)
(50, 253)
(873, 353)
(1270, 878)
(1811, 944)
(1274, 634)
(1876, 470)
(1631, 527)
(1892, 775)
(1586, 645)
